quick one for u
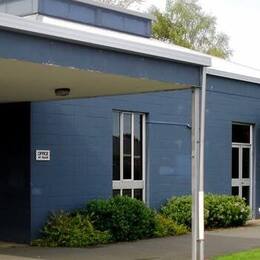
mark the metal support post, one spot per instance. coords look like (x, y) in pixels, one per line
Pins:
(198, 143)
(201, 238)
(195, 167)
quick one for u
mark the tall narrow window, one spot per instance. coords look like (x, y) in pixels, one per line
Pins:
(129, 154)
(116, 147)
(242, 141)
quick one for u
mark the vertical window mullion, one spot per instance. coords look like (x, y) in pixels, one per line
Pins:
(143, 155)
(251, 173)
(121, 146)
(240, 169)
(132, 146)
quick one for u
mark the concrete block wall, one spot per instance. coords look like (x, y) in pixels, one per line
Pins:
(230, 101)
(88, 12)
(79, 135)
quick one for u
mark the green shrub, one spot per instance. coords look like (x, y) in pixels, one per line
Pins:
(71, 230)
(226, 211)
(125, 218)
(220, 211)
(167, 227)
(179, 210)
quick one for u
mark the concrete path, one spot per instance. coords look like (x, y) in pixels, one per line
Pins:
(217, 243)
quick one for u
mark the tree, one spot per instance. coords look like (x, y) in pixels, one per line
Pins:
(121, 3)
(184, 23)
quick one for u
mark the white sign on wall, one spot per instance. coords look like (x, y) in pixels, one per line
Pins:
(43, 155)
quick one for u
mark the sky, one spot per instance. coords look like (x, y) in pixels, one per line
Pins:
(240, 20)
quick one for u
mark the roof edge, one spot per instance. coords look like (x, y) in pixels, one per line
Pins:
(22, 25)
(230, 75)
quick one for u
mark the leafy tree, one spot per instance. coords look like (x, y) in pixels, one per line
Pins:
(184, 23)
(121, 3)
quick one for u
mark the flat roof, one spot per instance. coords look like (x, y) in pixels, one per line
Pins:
(90, 35)
(232, 70)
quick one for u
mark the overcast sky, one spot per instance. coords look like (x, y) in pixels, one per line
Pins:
(240, 19)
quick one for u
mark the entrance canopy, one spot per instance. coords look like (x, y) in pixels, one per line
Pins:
(27, 81)
(37, 57)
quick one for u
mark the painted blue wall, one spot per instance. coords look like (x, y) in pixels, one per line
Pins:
(229, 101)
(80, 12)
(79, 135)
(50, 51)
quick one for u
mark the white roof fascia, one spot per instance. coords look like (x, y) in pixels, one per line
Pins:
(104, 38)
(231, 70)
(229, 75)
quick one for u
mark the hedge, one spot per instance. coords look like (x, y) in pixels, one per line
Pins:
(104, 221)
(126, 218)
(221, 211)
(65, 229)
(165, 226)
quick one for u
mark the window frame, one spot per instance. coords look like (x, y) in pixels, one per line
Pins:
(124, 184)
(242, 182)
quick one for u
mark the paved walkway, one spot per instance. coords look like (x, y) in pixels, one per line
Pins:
(217, 243)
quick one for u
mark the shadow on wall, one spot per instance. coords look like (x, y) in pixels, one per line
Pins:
(15, 172)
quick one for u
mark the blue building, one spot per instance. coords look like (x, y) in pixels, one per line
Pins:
(60, 151)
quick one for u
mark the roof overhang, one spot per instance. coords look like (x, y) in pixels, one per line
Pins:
(27, 81)
(91, 36)
(230, 70)
(37, 58)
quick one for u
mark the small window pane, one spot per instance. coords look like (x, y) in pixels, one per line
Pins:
(246, 163)
(127, 192)
(241, 134)
(116, 193)
(116, 146)
(235, 191)
(138, 134)
(127, 146)
(127, 167)
(127, 133)
(235, 163)
(138, 194)
(246, 193)
(138, 173)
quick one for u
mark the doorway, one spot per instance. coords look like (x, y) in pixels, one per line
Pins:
(15, 172)
(242, 158)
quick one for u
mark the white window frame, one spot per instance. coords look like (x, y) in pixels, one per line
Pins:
(240, 182)
(132, 184)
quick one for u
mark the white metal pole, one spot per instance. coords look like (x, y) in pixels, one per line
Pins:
(195, 167)
(202, 164)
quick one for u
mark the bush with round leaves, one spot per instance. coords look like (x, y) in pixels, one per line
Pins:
(226, 211)
(220, 211)
(125, 218)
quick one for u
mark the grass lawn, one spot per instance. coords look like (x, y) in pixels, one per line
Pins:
(249, 255)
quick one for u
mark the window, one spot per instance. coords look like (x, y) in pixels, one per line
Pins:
(240, 133)
(129, 154)
(242, 140)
